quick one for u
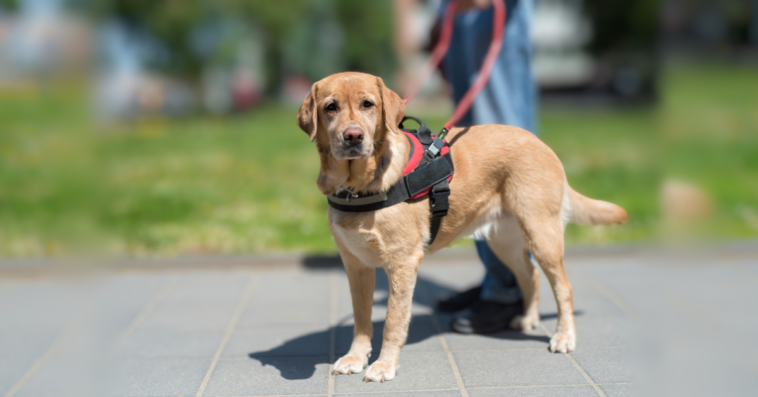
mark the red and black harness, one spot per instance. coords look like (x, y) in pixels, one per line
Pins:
(426, 175)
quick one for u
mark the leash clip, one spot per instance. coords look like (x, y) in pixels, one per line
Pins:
(437, 144)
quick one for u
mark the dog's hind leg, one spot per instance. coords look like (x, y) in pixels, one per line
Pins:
(507, 242)
(544, 237)
(402, 281)
(362, 283)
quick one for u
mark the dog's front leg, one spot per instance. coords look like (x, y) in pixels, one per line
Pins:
(362, 282)
(402, 280)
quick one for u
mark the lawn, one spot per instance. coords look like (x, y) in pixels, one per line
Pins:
(246, 183)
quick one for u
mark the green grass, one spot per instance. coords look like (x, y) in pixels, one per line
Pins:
(710, 130)
(247, 184)
(612, 156)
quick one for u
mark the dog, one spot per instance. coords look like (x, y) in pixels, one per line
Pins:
(509, 187)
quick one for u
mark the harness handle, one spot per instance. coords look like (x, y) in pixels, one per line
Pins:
(423, 133)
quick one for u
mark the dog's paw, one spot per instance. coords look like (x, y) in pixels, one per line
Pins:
(562, 343)
(524, 323)
(380, 371)
(350, 364)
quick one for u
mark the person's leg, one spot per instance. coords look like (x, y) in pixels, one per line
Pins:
(461, 66)
(499, 284)
(509, 97)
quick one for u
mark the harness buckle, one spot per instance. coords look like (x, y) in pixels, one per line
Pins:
(433, 148)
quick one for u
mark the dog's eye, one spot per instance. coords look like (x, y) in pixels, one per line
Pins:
(367, 104)
(331, 107)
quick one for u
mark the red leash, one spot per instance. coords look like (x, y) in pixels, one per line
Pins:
(446, 33)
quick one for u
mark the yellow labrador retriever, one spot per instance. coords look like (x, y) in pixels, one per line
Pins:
(508, 186)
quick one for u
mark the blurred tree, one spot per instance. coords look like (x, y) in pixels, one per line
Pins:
(164, 27)
(319, 37)
(626, 25)
(368, 35)
(8, 4)
(277, 19)
(314, 47)
(299, 34)
(625, 38)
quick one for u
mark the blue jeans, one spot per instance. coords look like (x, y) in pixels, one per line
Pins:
(510, 97)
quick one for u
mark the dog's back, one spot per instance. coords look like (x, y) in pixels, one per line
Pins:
(504, 170)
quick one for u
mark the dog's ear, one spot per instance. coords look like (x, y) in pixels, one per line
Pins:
(393, 107)
(307, 116)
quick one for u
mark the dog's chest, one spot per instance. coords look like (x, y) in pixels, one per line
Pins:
(385, 237)
(365, 244)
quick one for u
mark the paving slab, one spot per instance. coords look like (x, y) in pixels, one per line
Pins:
(187, 318)
(278, 342)
(264, 313)
(162, 377)
(170, 344)
(418, 371)
(64, 377)
(516, 368)
(618, 390)
(536, 391)
(430, 393)
(269, 376)
(11, 371)
(605, 365)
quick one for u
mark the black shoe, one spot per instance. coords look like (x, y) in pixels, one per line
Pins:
(461, 301)
(487, 317)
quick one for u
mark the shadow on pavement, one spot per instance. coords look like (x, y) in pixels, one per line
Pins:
(316, 262)
(421, 328)
(419, 331)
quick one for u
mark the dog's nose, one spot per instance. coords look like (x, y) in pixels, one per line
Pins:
(353, 136)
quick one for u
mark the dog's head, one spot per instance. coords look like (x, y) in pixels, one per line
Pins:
(349, 113)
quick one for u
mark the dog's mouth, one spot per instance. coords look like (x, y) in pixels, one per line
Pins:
(350, 152)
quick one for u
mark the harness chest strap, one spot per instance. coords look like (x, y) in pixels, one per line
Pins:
(408, 188)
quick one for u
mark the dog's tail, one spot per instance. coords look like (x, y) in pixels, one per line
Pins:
(587, 211)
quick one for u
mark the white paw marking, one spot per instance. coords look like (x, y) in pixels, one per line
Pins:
(562, 343)
(350, 364)
(380, 371)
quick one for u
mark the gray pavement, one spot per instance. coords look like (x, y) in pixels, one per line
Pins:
(275, 330)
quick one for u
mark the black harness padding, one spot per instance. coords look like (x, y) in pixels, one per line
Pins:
(439, 205)
(431, 173)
